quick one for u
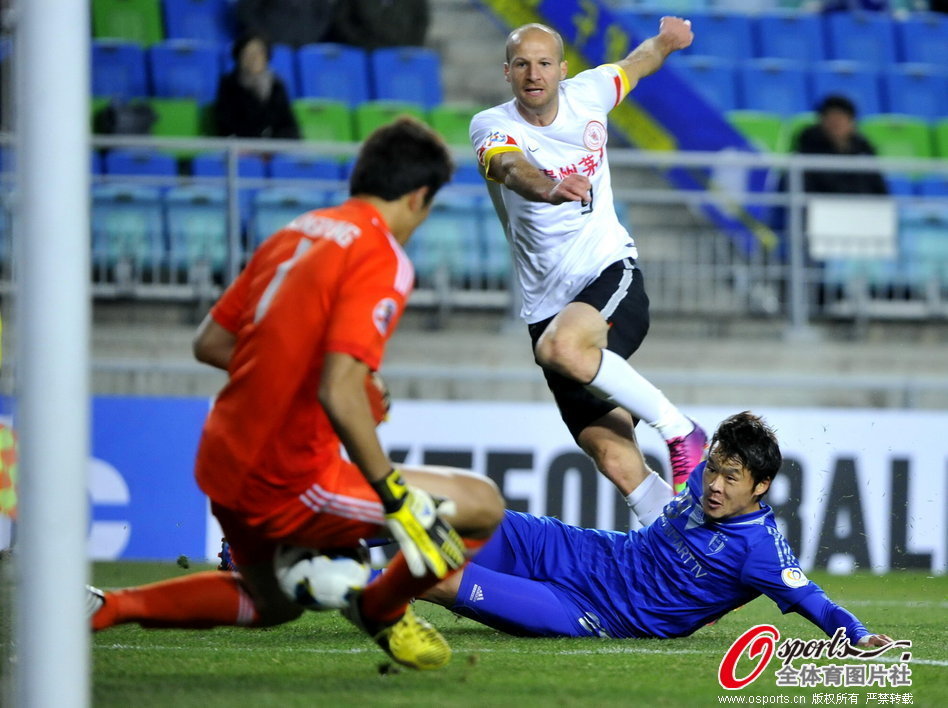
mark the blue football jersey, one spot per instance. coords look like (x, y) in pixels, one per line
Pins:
(683, 571)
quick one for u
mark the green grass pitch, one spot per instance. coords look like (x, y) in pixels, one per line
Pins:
(320, 660)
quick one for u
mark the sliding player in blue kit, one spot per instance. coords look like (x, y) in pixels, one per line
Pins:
(714, 548)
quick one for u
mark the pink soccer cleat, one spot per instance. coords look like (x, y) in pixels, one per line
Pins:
(685, 452)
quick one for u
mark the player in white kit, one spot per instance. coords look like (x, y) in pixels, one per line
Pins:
(544, 156)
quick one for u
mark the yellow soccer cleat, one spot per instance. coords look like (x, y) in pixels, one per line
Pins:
(411, 641)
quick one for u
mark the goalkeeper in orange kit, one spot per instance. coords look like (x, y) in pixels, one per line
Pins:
(298, 332)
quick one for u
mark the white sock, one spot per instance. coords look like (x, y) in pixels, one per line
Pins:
(649, 498)
(617, 382)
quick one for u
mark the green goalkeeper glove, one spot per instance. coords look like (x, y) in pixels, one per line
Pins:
(414, 518)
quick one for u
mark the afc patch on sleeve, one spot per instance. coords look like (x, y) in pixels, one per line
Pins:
(383, 313)
(494, 140)
(793, 578)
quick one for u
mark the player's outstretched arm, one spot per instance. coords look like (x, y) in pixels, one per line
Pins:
(515, 172)
(875, 640)
(674, 33)
(428, 542)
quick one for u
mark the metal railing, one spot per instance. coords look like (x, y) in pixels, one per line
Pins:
(693, 263)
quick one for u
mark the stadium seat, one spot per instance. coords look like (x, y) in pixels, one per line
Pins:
(132, 20)
(275, 207)
(206, 20)
(774, 85)
(762, 129)
(183, 68)
(866, 37)
(940, 135)
(370, 115)
(791, 35)
(467, 173)
(127, 226)
(453, 122)
(323, 119)
(197, 227)
(118, 69)
(897, 135)
(855, 81)
(923, 37)
(410, 74)
(290, 166)
(727, 36)
(917, 89)
(447, 247)
(333, 71)
(141, 162)
(923, 241)
(497, 258)
(932, 186)
(177, 117)
(900, 185)
(711, 77)
(214, 164)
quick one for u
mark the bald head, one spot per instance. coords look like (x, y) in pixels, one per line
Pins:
(532, 30)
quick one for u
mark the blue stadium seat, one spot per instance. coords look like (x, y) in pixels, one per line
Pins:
(917, 89)
(775, 85)
(333, 71)
(712, 77)
(932, 186)
(275, 207)
(183, 68)
(207, 20)
(406, 74)
(448, 245)
(923, 37)
(923, 241)
(127, 226)
(791, 35)
(139, 161)
(497, 258)
(728, 36)
(305, 167)
(197, 227)
(213, 164)
(899, 185)
(282, 62)
(467, 173)
(867, 37)
(118, 69)
(855, 81)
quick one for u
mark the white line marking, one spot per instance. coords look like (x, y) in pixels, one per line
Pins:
(475, 650)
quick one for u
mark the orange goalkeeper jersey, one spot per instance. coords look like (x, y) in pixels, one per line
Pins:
(333, 280)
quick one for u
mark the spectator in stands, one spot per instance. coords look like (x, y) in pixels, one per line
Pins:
(292, 22)
(252, 101)
(835, 134)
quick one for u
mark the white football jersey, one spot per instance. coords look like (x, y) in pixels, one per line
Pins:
(558, 250)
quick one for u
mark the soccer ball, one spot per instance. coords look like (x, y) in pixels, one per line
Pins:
(318, 581)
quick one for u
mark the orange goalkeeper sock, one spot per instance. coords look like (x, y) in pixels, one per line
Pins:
(198, 601)
(384, 599)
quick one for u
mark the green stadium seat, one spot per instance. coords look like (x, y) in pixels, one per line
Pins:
(176, 117)
(762, 129)
(895, 135)
(133, 20)
(453, 121)
(940, 135)
(791, 129)
(372, 114)
(323, 119)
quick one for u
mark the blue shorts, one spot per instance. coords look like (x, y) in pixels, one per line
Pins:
(539, 577)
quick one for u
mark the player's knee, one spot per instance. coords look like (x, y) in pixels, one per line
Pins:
(561, 353)
(484, 508)
(611, 457)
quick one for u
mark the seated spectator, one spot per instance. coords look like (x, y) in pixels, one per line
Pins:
(292, 22)
(836, 134)
(252, 101)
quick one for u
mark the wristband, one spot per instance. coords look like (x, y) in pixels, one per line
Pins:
(392, 490)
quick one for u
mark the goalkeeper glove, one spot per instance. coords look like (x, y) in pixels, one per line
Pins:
(414, 519)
